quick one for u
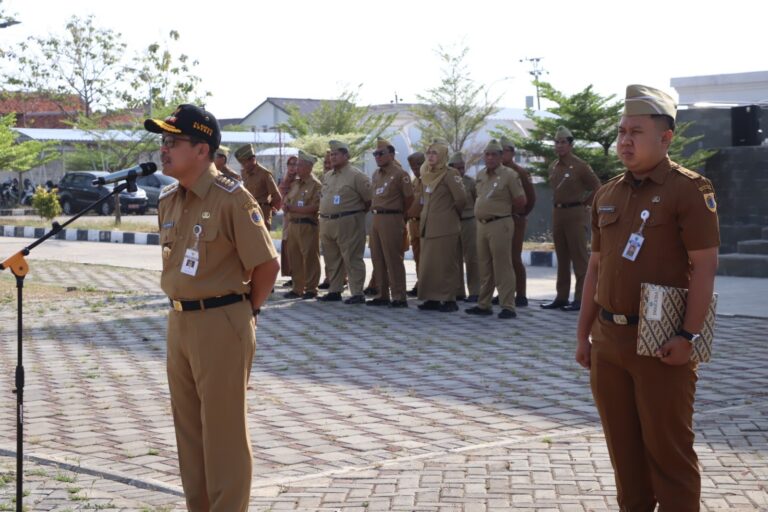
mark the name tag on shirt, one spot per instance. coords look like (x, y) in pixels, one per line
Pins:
(379, 191)
(633, 246)
(337, 200)
(428, 190)
(190, 263)
(299, 203)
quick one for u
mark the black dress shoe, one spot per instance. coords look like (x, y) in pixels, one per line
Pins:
(288, 283)
(471, 299)
(291, 295)
(309, 295)
(461, 298)
(355, 299)
(495, 301)
(414, 292)
(330, 297)
(477, 310)
(555, 304)
(521, 302)
(371, 291)
(448, 306)
(399, 304)
(430, 305)
(325, 285)
(507, 313)
(377, 302)
(573, 306)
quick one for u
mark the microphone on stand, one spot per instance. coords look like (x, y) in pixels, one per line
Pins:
(144, 169)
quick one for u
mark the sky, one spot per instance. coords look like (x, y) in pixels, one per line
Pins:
(249, 51)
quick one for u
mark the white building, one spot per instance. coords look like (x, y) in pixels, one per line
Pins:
(729, 89)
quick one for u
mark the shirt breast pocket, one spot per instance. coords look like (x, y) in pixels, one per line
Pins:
(610, 233)
(660, 233)
(167, 246)
(209, 240)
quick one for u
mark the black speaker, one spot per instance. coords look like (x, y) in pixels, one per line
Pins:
(745, 126)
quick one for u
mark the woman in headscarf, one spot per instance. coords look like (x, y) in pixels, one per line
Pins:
(284, 187)
(440, 228)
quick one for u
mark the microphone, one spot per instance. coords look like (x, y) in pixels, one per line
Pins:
(144, 169)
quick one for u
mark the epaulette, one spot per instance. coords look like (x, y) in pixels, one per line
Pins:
(687, 173)
(227, 183)
(168, 190)
(615, 178)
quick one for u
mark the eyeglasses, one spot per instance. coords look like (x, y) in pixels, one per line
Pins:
(169, 141)
(380, 152)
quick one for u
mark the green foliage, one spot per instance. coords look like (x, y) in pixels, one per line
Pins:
(340, 119)
(456, 108)
(317, 144)
(46, 203)
(680, 142)
(21, 157)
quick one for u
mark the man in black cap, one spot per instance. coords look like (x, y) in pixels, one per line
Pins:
(212, 234)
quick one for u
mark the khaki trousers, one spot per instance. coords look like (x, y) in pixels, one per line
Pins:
(468, 258)
(343, 241)
(210, 353)
(517, 256)
(414, 234)
(569, 230)
(646, 408)
(494, 255)
(387, 255)
(304, 256)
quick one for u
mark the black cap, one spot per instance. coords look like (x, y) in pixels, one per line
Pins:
(189, 120)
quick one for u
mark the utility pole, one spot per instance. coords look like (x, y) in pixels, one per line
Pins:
(536, 72)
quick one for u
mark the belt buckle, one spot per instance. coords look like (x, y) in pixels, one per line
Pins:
(177, 305)
(620, 319)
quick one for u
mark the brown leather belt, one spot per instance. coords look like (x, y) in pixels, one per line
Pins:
(213, 302)
(618, 319)
(339, 215)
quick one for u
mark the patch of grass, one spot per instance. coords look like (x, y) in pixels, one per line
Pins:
(153, 451)
(65, 478)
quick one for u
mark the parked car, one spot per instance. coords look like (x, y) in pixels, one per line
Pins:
(76, 191)
(153, 185)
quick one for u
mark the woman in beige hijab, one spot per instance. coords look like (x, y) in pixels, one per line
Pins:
(440, 228)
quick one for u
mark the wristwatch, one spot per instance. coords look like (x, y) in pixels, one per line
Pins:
(256, 312)
(692, 338)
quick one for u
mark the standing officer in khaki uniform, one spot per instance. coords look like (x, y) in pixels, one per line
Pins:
(259, 182)
(284, 186)
(573, 186)
(220, 161)
(345, 197)
(646, 403)
(499, 196)
(415, 161)
(521, 220)
(219, 266)
(392, 196)
(301, 204)
(468, 240)
(440, 227)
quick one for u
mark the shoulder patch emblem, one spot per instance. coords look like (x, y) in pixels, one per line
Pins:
(406, 179)
(256, 216)
(227, 183)
(709, 200)
(167, 191)
(458, 179)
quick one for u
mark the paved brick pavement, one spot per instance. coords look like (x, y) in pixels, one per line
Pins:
(352, 407)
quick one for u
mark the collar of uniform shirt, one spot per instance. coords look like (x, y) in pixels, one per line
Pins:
(657, 175)
(204, 182)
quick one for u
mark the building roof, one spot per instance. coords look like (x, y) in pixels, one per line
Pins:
(75, 135)
(305, 105)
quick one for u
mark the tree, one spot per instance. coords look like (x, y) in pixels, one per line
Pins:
(21, 157)
(593, 119)
(456, 108)
(85, 61)
(340, 119)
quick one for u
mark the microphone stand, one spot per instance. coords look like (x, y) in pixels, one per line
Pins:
(18, 266)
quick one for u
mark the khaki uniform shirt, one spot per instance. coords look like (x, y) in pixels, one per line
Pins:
(261, 184)
(572, 180)
(682, 218)
(232, 240)
(391, 186)
(304, 193)
(414, 212)
(344, 190)
(443, 203)
(530, 191)
(495, 191)
(470, 189)
(227, 171)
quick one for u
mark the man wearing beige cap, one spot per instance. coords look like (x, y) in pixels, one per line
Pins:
(345, 197)
(259, 182)
(521, 220)
(302, 203)
(670, 215)
(219, 266)
(468, 253)
(573, 184)
(392, 196)
(499, 195)
(220, 161)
